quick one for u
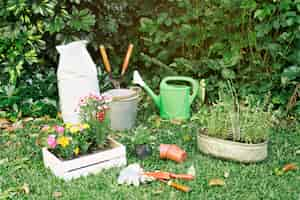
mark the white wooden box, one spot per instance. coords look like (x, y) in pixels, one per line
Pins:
(87, 164)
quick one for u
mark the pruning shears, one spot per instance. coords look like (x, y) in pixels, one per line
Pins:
(116, 81)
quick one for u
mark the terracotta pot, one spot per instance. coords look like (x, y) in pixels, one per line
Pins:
(172, 152)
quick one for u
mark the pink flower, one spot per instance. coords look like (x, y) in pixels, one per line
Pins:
(52, 141)
(105, 107)
(107, 98)
(59, 129)
(101, 98)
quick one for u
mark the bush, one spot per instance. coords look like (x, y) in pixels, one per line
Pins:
(253, 43)
(30, 30)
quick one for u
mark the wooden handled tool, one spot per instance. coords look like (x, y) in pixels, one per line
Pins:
(105, 59)
(177, 186)
(168, 175)
(126, 59)
(182, 176)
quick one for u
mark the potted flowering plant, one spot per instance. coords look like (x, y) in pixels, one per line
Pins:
(79, 149)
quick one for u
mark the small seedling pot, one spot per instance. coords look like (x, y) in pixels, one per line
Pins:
(172, 152)
(142, 151)
(231, 150)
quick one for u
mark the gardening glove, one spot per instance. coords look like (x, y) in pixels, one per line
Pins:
(133, 175)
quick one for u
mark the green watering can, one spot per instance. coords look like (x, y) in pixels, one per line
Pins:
(174, 101)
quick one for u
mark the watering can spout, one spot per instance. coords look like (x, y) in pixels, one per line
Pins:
(137, 79)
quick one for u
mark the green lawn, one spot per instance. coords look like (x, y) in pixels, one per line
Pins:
(21, 162)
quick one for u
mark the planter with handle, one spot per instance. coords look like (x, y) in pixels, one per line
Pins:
(231, 150)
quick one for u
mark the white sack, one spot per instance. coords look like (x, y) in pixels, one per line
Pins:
(77, 77)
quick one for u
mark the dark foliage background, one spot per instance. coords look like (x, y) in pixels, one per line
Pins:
(254, 43)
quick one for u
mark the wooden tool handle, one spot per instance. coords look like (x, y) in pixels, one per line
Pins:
(105, 59)
(126, 59)
(178, 186)
(182, 176)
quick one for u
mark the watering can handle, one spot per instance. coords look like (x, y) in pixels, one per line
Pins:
(194, 83)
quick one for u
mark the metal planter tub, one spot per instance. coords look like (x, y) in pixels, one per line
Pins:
(230, 150)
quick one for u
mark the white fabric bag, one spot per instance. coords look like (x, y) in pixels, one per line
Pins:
(77, 77)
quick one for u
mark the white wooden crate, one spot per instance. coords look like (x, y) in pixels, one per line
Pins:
(87, 164)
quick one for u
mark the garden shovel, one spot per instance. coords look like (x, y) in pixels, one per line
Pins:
(116, 81)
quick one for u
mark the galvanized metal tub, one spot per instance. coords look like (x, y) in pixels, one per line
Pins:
(230, 150)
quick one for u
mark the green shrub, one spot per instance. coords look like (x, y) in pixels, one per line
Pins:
(29, 32)
(254, 43)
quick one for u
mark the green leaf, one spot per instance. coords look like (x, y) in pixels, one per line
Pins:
(231, 58)
(162, 17)
(168, 22)
(146, 24)
(56, 25)
(45, 7)
(228, 73)
(249, 5)
(290, 73)
(81, 20)
(261, 14)
(185, 30)
(50, 102)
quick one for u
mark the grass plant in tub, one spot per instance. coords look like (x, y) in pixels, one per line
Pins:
(233, 130)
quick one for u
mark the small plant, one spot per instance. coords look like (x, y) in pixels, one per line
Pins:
(228, 119)
(93, 110)
(143, 142)
(71, 140)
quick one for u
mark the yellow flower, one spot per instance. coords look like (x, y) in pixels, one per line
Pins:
(68, 125)
(63, 141)
(85, 126)
(76, 151)
(74, 129)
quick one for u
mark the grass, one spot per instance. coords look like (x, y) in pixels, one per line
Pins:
(21, 163)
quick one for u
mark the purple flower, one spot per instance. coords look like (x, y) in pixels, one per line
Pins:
(52, 141)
